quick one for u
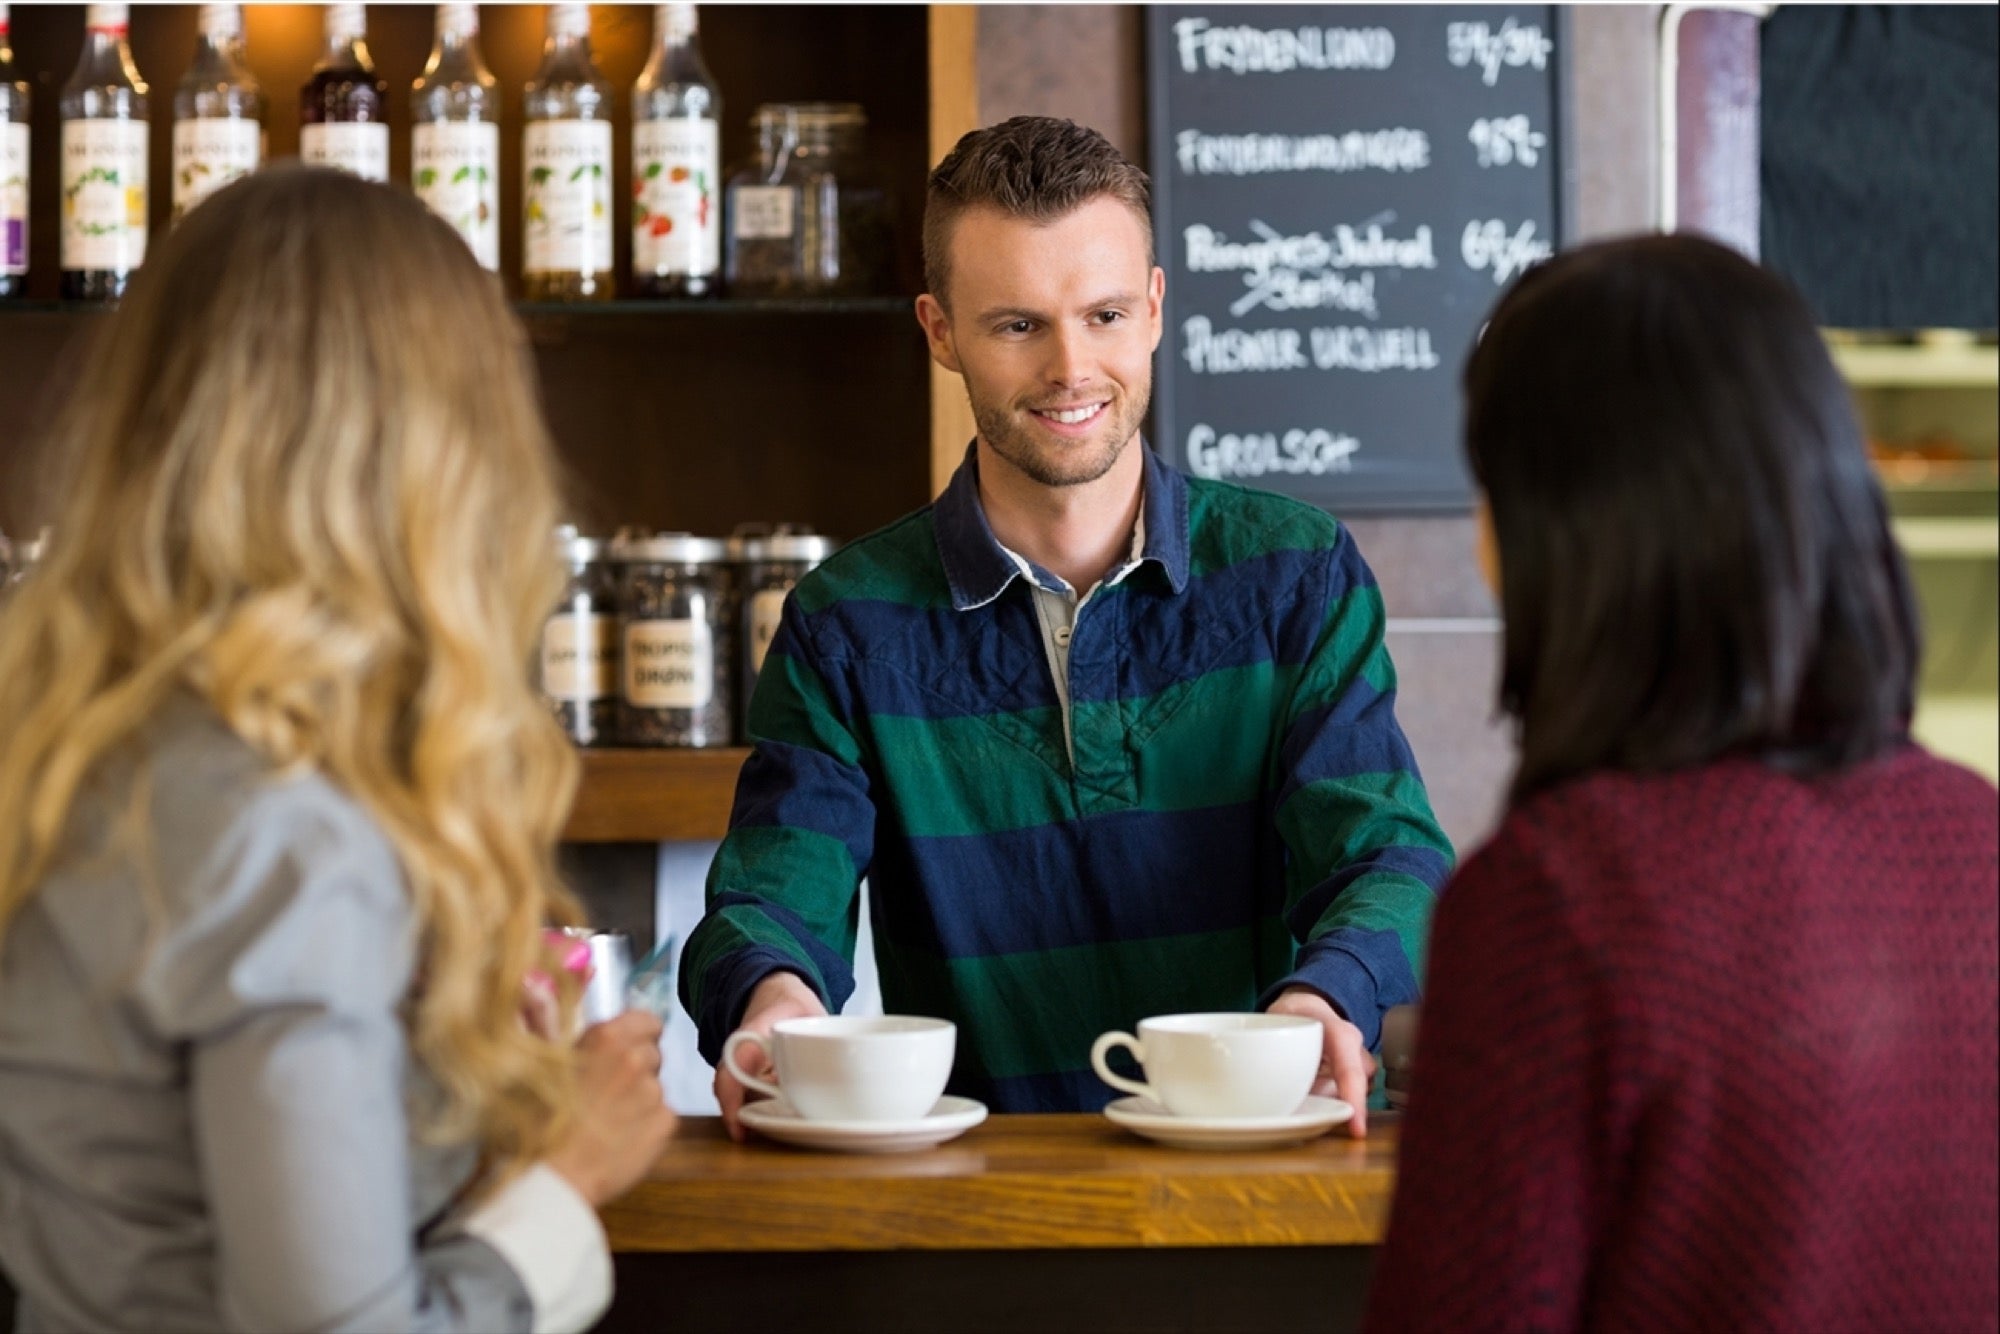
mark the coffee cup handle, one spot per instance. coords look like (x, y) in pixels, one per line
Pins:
(737, 1039)
(1103, 1047)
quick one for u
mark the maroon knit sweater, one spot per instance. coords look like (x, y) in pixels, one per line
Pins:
(1712, 1051)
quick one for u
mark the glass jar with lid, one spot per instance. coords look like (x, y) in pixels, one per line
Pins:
(772, 564)
(678, 611)
(579, 659)
(810, 216)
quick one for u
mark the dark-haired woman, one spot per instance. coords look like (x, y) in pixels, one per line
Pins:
(1710, 1036)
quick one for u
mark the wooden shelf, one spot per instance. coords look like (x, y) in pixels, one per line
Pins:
(723, 307)
(654, 796)
(1888, 365)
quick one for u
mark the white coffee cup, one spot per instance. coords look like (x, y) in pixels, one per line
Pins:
(853, 1068)
(1219, 1065)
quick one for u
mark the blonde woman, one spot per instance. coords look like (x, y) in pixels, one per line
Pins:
(277, 809)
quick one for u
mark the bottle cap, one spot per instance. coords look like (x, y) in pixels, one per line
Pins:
(346, 21)
(221, 20)
(107, 16)
(677, 23)
(457, 20)
(641, 548)
(569, 20)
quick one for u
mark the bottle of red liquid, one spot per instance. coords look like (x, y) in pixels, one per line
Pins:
(676, 165)
(344, 107)
(13, 171)
(104, 164)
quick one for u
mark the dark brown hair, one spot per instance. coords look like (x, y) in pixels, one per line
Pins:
(1695, 556)
(1034, 167)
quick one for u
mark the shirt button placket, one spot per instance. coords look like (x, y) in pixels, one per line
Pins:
(1105, 778)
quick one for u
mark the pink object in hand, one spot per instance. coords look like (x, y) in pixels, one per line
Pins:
(572, 951)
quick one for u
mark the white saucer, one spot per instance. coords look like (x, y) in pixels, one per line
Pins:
(778, 1119)
(1143, 1116)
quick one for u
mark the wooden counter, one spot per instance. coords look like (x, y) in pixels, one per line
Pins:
(1015, 1182)
(1024, 1225)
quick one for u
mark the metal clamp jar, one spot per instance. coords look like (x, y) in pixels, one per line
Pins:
(772, 566)
(810, 216)
(579, 657)
(676, 686)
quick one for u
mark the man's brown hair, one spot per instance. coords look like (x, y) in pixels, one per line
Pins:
(1035, 167)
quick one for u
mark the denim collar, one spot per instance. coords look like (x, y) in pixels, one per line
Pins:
(978, 568)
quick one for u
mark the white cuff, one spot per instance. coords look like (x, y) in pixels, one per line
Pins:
(550, 1236)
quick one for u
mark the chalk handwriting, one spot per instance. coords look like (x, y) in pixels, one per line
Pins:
(1304, 272)
(1502, 140)
(1514, 46)
(1489, 245)
(1390, 150)
(1315, 452)
(1212, 351)
(1247, 50)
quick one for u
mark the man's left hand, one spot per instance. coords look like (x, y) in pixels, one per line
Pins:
(1345, 1066)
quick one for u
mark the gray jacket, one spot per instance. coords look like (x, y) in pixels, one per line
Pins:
(204, 1081)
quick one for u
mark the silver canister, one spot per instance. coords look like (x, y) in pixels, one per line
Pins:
(610, 973)
(772, 566)
(578, 663)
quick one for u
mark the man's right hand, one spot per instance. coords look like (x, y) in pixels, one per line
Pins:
(779, 996)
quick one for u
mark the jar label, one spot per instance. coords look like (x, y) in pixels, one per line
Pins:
(104, 195)
(579, 657)
(763, 212)
(361, 147)
(674, 168)
(765, 610)
(455, 168)
(566, 213)
(209, 153)
(669, 664)
(13, 199)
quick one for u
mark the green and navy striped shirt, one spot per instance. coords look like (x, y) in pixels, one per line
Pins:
(1233, 811)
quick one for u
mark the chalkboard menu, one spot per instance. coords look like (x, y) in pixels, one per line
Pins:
(1340, 193)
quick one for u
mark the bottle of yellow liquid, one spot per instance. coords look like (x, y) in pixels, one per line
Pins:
(566, 216)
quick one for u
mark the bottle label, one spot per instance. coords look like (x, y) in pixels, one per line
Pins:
(674, 214)
(455, 167)
(566, 214)
(13, 199)
(766, 608)
(103, 195)
(580, 657)
(209, 153)
(361, 147)
(669, 664)
(763, 212)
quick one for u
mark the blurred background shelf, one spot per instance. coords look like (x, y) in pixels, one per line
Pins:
(1873, 365)
(1932, 418)
(654, 796)
(1966, 538)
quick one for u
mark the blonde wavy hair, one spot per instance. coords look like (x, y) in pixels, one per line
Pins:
(311, 485)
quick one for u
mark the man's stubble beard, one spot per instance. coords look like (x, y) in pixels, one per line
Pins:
(1010, 438)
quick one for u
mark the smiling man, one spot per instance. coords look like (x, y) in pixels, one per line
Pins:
(1106, 741)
